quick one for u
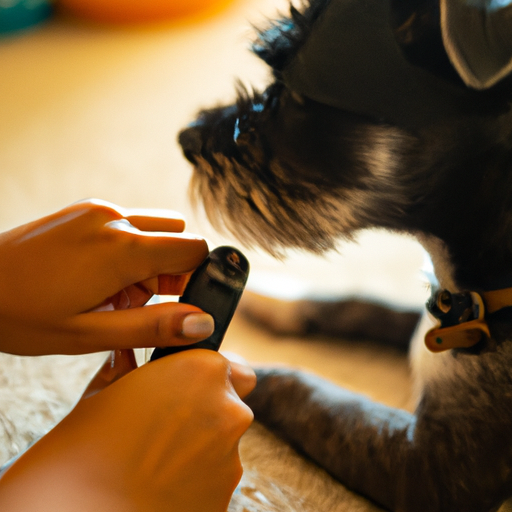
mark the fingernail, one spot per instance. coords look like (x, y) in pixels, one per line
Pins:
(197, 325)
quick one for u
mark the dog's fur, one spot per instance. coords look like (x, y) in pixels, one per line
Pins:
(302, 174)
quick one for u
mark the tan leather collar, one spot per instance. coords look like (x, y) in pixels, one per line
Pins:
(461, 318)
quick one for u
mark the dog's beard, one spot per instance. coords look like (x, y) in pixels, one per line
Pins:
(245, 190)
(280, 185)
(280, 213)
(273, 217)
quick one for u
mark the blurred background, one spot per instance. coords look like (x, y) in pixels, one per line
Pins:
(92, 109)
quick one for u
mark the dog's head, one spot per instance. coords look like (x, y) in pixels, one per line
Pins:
(377, 114)
(280, 170)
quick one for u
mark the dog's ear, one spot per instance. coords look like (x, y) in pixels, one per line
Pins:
(275, 44)
(477, 36)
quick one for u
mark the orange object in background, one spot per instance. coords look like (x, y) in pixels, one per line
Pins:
(136, 11)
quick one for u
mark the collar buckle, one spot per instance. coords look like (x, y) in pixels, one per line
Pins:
(460, 319)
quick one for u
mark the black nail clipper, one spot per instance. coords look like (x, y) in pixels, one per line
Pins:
(216, 287)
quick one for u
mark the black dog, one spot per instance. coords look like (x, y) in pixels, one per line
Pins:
(396, 114)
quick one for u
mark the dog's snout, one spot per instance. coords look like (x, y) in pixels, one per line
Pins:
(191, 142)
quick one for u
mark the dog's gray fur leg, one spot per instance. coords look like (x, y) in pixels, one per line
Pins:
(423, 462)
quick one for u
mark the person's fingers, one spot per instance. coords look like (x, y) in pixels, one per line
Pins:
(143, 244)
(132, 296)
(166, 284)
(150, 254)
(158, 325)
(144, 219)
(155, 220)
(242, 375)
(138, 294)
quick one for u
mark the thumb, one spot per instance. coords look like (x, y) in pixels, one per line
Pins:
(158, 325)
(242, 375)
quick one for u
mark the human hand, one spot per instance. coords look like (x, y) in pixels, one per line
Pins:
(56, 271)
(163, 437)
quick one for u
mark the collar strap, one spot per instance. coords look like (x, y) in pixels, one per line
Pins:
(460, 317)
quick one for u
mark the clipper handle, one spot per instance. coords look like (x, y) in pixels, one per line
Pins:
(216, 287)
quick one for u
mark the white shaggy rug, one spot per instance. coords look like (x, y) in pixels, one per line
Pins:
(35, 393)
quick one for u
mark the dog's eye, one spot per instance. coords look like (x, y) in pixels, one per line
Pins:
(236, 131)
(243, 129)
(245, 123)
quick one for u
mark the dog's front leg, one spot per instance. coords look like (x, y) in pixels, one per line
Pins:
(426, 462)
(343, 432)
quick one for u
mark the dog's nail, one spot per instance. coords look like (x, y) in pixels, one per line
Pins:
(197, 325)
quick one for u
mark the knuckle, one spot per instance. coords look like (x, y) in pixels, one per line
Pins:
(97, 222)
(119, 232)
(245, 416)
(209, 364)
(236, 418)
(101, 210)
(204, 368)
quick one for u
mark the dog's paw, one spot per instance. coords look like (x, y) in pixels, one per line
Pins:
(279, 392)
